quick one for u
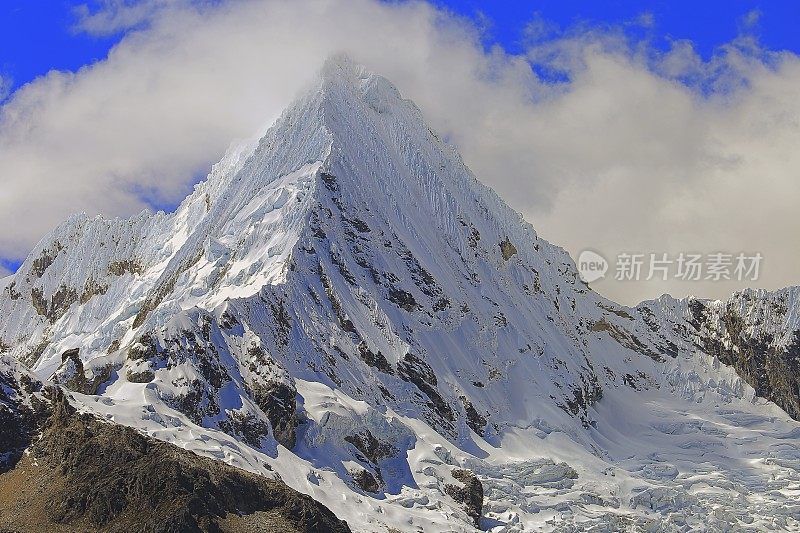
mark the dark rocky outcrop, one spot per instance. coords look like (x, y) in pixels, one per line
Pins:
(120, 268)
(91, 289)
(366, 481)
(278, 400)
(414, 370)
(627, 339)
(58, 304)
(583, 397)
(144, 376)
(74, 376)
(507, 249)
(772, 369)
(370, 451)
(71, 373)
(47, 257)
(469, 494)
(21, 412)
(403, 299)
(375, 360)
(475, 420)
(93, 476)
(143, 349)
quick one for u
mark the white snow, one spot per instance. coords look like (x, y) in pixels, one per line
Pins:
(313, 239)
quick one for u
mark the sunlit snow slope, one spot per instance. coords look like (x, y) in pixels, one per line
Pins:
(342, 304)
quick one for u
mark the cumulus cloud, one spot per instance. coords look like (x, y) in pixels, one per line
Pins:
(622, 149)
(107, 17)
(666, 169)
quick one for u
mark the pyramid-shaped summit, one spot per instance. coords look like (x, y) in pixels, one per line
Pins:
(344, 304)
(397, 224)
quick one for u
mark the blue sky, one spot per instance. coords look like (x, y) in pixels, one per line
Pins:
(38, 35)
(706, 23)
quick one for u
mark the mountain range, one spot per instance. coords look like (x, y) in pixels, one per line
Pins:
(342, 329)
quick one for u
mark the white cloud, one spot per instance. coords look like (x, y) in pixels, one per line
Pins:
(6, 84)
(646, 20)
(4, 271)
(113, 16)
(637, 151)
(751, 19)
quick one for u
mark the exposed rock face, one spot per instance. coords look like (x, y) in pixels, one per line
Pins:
(469, 494)
(414, 370)
(475, 420)
(366, 481)
(144, 376)
(277, 400)
(199, 359)
(57, 305)
(22, 409)
(103, 477)
(768, 359)
(71, 373)
(120, 268)
(507, 249)
(372, 449)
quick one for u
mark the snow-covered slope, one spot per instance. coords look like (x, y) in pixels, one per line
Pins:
(343, 304)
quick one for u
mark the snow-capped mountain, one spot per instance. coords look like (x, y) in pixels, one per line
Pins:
(342, 305)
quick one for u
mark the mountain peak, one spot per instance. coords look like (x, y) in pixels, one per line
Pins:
(346, 86)
(341, 66)
(342, 71)
(347, 290)
(344, 100)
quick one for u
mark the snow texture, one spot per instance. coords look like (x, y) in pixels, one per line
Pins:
(342, 304)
